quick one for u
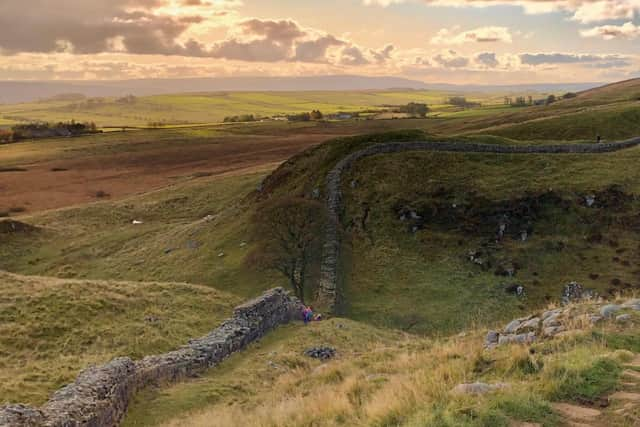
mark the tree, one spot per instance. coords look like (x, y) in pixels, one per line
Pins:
(415, 109)
(316, 115)
(520, 101)
(551, 99)
(288, 230)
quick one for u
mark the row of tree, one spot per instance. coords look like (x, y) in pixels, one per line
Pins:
(414, 109)
(46, 130)
(461, 101)
(521, 101)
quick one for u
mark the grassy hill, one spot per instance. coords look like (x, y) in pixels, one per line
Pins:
(610, 111)
(195, 232)
(385, 378)
(53, 328)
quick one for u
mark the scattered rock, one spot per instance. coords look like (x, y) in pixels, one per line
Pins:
(550, 313)
(316, 193)
(595, 319)
(553, 320)
(492, 338)
(517, 339)
(623, 318)
(512, 327)
(477, 388)
(10, 226)
(221, 255)
(136, 222)
(517, 290)
(623, 395)
(209, 218)
(529, 325)
(151, 319)
(552, 331)
(609, 310)
(590, 200)
(576, 412)
(573, 292)
(322, 353)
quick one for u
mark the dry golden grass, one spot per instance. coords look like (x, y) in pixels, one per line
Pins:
(408, 382)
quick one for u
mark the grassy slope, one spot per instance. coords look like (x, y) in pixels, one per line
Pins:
(611, 111)
(382, 378)
(397, 278)
(174, 243)
(50, 329)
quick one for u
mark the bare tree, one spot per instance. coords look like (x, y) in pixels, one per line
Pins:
(287, 230)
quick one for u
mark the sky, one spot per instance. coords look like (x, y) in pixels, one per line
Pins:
(436, 41)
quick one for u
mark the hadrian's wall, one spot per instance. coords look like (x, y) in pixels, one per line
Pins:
(329, 286)
(100, 395)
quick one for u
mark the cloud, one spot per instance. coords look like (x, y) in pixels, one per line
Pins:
(584, 11)
(451, 59)
(353, 55)
(90, 26)
(479, 35)
(316, 50)
(383, 55)
(488, 59)
(565, 58)
(609, 32)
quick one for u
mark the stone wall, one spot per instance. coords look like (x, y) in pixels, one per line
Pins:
(329, 288)
(100, 395)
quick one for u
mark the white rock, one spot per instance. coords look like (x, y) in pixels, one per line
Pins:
(512, 326)
(477, 388)
(609, 310)
(532, 324)
(623, 318)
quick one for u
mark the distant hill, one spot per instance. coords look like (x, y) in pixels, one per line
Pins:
(28, 91)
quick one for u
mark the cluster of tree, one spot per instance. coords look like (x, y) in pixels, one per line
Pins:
(6, 136)
(569, 95)
(305, 117)
(521, 101)
(414, 109)
(289, 231)
(240, 118)
(47, 130)
(129, 99)
(461, 101)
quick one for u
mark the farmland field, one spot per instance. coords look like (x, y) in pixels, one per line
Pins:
(207, 108)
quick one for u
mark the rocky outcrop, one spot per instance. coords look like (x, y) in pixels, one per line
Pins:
(100, 395)
(556, 322)
(328, 289)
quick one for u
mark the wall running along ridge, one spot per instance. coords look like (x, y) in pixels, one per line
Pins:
(328, 289)
(100, 395)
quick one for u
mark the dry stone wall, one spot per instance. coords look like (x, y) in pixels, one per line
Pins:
(328, 289)
(100, 395)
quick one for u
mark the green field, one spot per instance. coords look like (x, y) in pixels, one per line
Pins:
(184, 109)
